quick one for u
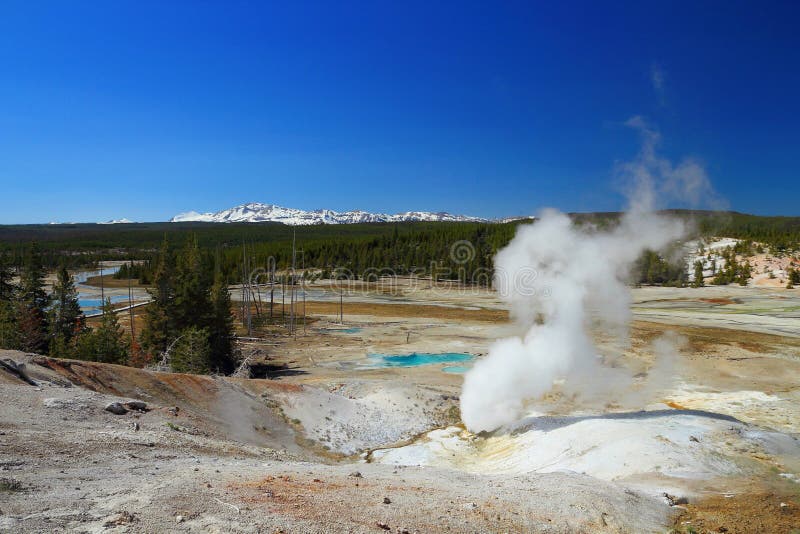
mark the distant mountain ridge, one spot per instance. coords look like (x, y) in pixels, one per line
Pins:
(258, 212)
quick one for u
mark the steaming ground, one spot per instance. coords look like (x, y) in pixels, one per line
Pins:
(268, 455)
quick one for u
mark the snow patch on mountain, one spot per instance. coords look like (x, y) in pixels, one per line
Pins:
(118, 221)
(258, 212)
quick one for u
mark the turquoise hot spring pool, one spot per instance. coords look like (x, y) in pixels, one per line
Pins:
(416, 359)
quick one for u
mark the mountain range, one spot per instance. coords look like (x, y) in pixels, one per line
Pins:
(258, 212)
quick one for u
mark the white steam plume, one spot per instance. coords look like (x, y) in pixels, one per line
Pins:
(558, 278)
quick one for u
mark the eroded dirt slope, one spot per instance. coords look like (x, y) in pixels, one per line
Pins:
(79, 468)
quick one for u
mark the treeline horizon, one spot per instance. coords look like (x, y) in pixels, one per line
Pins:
(411, 247)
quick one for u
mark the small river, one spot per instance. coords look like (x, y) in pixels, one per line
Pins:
(90, 298)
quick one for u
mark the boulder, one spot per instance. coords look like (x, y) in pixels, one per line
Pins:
(137, 405)
(116, 408)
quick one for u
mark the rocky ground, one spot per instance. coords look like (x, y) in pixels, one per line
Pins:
(82, 468)
(326, 444)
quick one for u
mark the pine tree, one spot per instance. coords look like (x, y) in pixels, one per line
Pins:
(9, 336)
(793, 276)
(7, 288)
(221, 330)
(9, 330)
(113, 347)
(192, 352)
(744, 273)
(698, 274)
(191, 288)
(106, 342)
(66, 319)
(33, 302)
(158, 325)
(32, 279)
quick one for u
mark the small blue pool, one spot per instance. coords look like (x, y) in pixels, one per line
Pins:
(415, 359)
(456, 369)
(351, 330)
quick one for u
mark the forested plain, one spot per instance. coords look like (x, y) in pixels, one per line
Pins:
(422, 248)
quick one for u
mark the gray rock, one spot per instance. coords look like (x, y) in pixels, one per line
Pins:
(116, 408)
(8, 523)
(137, 405)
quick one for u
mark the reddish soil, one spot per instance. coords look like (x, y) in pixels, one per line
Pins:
(742, 514)
(718, 301)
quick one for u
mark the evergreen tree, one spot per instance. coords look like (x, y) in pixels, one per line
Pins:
(7, 288)
(183, 303)
(744, 273)
(32, 305)
(191, 288)
(32, 279)
(793, 276)
(192, 352)
(66, 319)
(9, 337)
(221, 331)
(111, 343)
(698, 274)
(729, 272)
(106, 342)
(651, 268)
(158, 325)
(9, 331)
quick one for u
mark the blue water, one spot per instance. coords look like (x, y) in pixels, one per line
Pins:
(456, 369)
(80, 277)
(97, 303)
(352, 330)
(91, 307)
(88, 297)
(416, 359)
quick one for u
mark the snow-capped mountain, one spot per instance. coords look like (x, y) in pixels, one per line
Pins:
(112, 221)
(515, 218)
(118, 221)
(258, 212)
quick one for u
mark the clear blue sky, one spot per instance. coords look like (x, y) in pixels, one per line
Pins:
(145, 109)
